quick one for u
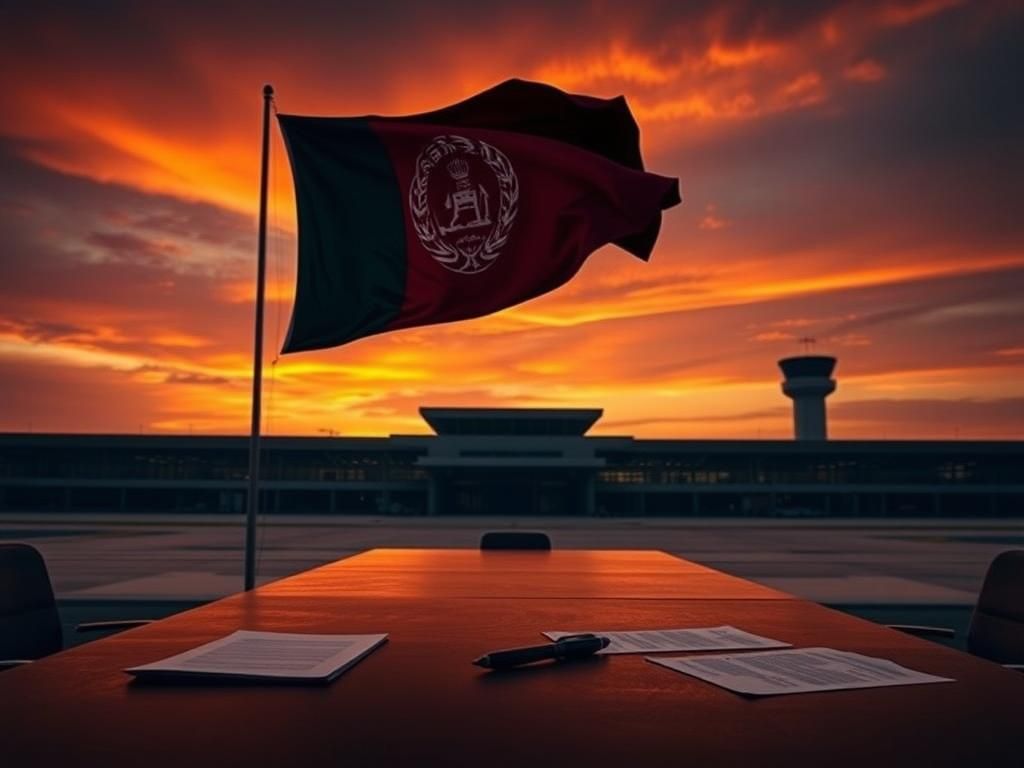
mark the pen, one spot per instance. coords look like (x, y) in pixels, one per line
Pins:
(568, 647)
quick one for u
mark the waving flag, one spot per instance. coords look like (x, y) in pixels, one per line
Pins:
(458, 213)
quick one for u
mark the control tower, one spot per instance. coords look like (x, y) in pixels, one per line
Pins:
(808, 380)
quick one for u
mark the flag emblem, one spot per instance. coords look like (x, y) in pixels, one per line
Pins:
(463, 201)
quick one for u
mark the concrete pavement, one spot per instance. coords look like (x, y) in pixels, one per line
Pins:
(839, 562)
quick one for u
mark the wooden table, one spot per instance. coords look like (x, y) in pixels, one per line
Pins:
(418, 700)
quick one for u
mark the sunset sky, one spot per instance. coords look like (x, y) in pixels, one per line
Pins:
(850, 172)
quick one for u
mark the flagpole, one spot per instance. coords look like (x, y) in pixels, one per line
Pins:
(252, 507)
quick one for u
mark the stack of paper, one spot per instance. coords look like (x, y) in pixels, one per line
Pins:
(796, 671)
(277, 656)
(724, 638)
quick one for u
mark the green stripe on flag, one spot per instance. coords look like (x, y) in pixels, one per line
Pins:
(352, 257)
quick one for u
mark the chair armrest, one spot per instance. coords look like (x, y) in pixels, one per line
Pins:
(10, 663)
(1015, 667)
(101, 626)
(921, 631)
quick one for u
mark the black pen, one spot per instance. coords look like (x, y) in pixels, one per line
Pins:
(568, 647)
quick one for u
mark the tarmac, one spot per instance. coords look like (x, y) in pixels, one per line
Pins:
(884, 569)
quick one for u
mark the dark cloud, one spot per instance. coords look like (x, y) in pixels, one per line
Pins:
(68, 208)
(42, 330)
(936, 418)
(126, 247)
(205, 223)
(911, 325)
(928, 157)
(152, 276)
(1000, 291)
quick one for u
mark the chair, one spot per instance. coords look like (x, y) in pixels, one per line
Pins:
(535, 540)
(996, 631)
(997, 625)
(29, 620)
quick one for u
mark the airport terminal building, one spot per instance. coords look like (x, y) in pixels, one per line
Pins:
(530, 462)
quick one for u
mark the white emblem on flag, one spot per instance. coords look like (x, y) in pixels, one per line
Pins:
(463, 200)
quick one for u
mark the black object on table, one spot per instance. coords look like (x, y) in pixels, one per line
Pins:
(563, 649)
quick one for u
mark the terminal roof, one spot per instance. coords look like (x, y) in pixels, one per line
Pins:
(511, 421)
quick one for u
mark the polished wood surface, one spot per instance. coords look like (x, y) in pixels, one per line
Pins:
(419, 701)
(567, 574)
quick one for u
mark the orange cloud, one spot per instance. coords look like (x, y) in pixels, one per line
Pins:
(129, 152)
(711, 220)
(865, 71)
(803, 90)
(752, 52)
(617, 64)
(901, 14)
(849, 340)
(773, 336)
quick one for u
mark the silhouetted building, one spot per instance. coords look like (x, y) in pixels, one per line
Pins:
(514, 461)
(808, 382)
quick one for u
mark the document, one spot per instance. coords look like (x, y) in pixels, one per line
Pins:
(272, 656)
(724, 638)
(800, 670)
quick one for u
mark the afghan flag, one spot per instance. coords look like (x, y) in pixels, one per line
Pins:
(461, 212)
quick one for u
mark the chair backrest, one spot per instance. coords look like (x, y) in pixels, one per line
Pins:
(515, 540)
(29, 621)
(997, 626)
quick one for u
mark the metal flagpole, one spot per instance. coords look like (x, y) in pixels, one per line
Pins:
(253, 504)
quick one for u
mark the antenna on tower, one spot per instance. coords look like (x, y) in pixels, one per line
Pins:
(807, 342)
